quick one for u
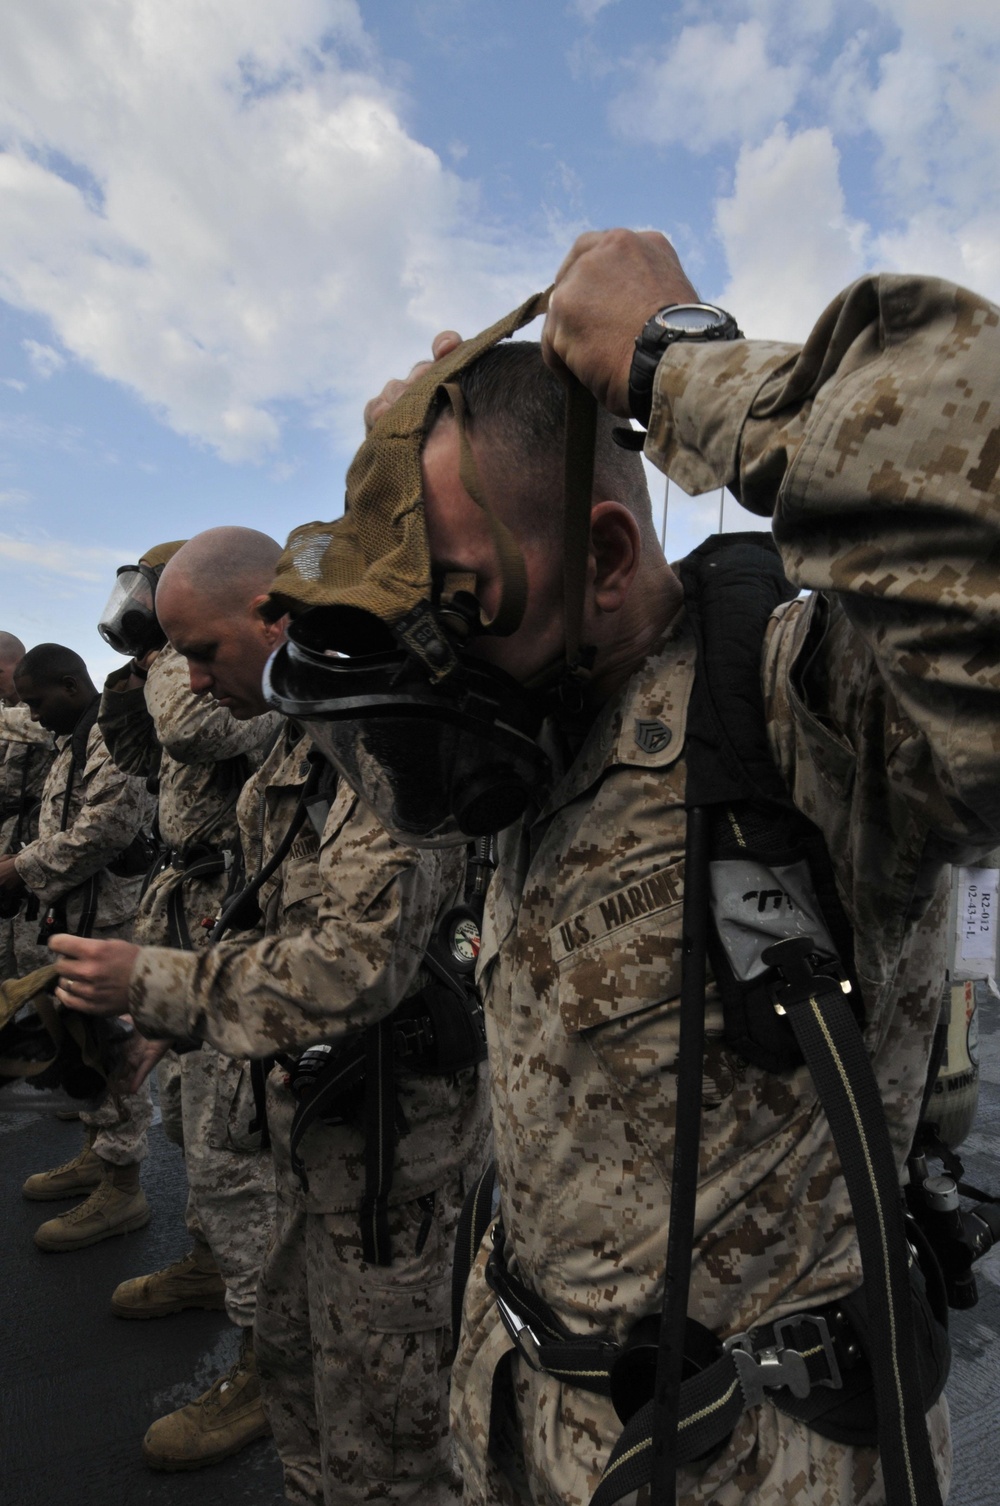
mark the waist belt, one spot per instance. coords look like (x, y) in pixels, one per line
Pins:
(199, 861)
(812, 1365)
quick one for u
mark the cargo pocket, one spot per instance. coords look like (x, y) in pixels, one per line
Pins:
(234, 1109)
(405, 1361)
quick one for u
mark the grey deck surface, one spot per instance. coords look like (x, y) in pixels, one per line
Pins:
(79, 1387)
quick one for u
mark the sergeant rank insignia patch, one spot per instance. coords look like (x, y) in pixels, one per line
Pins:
(652, 736)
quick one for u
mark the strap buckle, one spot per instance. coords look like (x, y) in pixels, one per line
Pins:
(775, 1366)
(525, 1339)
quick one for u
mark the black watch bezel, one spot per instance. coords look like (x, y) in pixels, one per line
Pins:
(656, 336)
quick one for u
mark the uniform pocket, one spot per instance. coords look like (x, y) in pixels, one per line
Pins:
(235, 1108)
(622, 955)
(618, 991)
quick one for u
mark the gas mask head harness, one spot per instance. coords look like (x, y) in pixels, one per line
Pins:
(378, 661)
(128, 622)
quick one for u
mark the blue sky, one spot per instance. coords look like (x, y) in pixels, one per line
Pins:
(223, 223)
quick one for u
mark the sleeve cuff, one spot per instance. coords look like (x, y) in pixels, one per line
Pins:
(159, 991)
(702, 397)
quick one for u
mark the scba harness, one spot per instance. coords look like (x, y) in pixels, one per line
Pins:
(761, 905)
(437, 1031)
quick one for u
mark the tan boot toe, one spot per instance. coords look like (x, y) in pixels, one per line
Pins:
(220, 1422)
(108, 1210)
(83, 1173)
(189, 1282)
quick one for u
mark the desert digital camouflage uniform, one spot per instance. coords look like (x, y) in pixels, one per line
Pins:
(107, 810)
(353, 1357)
(200, 756)
(876, 447)
(26, 754)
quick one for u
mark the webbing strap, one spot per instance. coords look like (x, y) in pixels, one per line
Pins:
(578, 496)
(684, 1183)
(380, 1143)
(834, 1048)
(513, 575)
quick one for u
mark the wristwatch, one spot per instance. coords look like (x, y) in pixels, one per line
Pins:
(678, 321)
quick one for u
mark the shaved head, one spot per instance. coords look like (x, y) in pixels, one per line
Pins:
(213, 604)
(11, 649)
(11, 654)
(224, 567)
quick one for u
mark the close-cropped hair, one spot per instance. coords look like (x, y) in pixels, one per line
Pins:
(516, 408)
(49, 662)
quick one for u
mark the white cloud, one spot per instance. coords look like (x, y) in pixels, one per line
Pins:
(221, 207)
(789, 242)
(713, 84)
(44, 359)
(60, 557)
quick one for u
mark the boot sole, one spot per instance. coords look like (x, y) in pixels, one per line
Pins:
(138, 1222)
(167, 1309)
(83, 1190)
(177, 1466)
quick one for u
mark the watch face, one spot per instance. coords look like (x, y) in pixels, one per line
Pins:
(689, 318)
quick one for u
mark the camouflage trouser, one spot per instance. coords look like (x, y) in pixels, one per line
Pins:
(354, 1358)
(122, 1121)
(206, 1100)
(168, 1090)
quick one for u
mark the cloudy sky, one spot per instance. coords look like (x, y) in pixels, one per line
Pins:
(223, 223)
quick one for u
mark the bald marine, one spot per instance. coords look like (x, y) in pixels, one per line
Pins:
(11, 654)
(212, 602)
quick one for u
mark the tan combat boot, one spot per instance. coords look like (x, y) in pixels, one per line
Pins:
(81, 1174)
(222, 1421)
(193, 1281)
(116, 1206)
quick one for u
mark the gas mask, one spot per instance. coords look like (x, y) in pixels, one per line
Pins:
(128, 622)
(379, 661)
(439, 764)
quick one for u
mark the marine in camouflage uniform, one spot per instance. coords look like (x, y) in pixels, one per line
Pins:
(89, 818)
(354, 1357)
(199, 756)
(26, 754)
(875, 448)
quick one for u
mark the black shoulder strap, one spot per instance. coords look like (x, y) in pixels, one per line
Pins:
(731, 585)
(78, 753)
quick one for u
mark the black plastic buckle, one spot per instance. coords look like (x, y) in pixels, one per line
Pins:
(791, 959)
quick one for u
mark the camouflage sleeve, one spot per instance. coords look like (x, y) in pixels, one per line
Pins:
(16, 726)
(349, 967)
(114, 809)
(127, 727)
(192, 728)
(876, 449)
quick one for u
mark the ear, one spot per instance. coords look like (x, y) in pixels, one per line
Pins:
(616, 550)
(70, 684)
(273, 628)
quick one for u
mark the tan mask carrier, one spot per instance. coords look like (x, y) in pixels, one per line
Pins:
(377, 558)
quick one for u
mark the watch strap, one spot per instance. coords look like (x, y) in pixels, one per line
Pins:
(649, 349)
